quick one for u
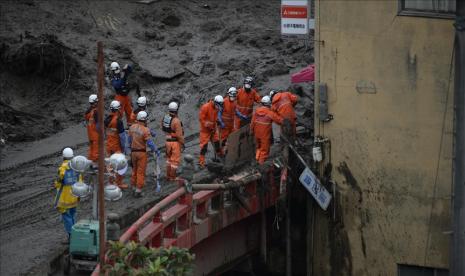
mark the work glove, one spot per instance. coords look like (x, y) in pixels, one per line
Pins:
(219, 119)
(157, 152)
(153, 133)
(125, 67)
(242, 116)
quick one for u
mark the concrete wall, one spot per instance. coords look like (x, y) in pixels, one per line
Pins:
(391, 95)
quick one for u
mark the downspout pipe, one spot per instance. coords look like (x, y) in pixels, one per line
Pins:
(457, 259)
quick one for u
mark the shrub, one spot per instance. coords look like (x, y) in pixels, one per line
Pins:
(135, 259)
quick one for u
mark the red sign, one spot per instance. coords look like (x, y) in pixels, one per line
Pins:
(293, 11)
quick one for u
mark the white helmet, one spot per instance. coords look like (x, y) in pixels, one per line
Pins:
(119, 163)
(232, 92)
(115, 105)
(142, 101)
(272, 93)
(266, 101)
(93, 98)
(114, 66)
(142, 116)
(80, 163)
(68, 153)
(173, 107)
(80, 189)
(218, 99)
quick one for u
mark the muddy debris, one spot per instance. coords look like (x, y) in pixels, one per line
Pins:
(187, 53)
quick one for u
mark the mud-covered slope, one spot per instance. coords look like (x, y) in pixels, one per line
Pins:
(184, 50)
(188, 50)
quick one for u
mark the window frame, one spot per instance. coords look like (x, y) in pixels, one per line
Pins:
(435, 270)
(402, 11)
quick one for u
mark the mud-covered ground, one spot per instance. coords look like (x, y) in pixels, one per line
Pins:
(184, 50)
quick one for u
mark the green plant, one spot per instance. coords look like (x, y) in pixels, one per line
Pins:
(135, 259)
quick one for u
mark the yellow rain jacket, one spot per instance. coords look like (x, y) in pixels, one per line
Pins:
(64, 199)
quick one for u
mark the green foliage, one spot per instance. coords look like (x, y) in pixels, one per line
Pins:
(135, 259)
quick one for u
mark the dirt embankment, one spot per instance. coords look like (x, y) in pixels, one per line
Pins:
(184, 50)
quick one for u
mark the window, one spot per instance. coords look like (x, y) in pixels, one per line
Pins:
(412, 270)
(428, 8)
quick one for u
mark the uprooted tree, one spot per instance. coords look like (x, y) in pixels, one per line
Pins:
(136, 259)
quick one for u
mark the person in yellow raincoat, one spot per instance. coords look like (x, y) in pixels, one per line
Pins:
(65, 201)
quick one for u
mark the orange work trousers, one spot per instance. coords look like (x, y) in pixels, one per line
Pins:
(139, 165)
(225, 132)
(205, 137)
(173, 159)
(93, 150)
(126, 106)
(262, 149)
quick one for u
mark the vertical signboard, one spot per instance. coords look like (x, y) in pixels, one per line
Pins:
(314, 187)
(294, 17)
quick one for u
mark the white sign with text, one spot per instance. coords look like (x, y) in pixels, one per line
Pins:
(294, 17)
(313, 185)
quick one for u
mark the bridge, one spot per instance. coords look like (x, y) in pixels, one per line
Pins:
(221, 223)
(217, 222)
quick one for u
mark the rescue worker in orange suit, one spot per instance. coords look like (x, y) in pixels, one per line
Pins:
(139, 139)
(119, 81)
(141, 106)
(211, 126)
(246, 96)
(229, 114)
(116, 136)
(262, 120)
(283, 103)
(172, 126)
(92, 132)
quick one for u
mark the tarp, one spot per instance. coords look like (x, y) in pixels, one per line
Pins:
(305, 75)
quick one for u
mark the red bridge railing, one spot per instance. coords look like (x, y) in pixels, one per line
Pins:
(184, 218)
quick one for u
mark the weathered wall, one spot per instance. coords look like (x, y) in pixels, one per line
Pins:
(389, 88)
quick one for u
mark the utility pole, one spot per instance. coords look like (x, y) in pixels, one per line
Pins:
(458, 238)
(101, 155)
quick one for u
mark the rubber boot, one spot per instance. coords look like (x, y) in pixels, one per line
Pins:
(173, 173)
(138, 193)
(119, 182)
(169, 173)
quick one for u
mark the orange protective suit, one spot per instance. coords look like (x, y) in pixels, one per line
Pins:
(92, 133)
(261, 127)
(229, 114)
(283, 103)
(113, 127)
(126, 106)
(244, 104)
(139, 135)
(172, 127)
(208, 116)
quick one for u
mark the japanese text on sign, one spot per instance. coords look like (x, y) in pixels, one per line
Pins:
(313, 185)
(294, 17)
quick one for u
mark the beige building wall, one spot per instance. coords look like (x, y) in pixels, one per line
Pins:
(389, 81)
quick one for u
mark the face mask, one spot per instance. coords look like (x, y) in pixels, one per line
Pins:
(247, 86)
(232, 99)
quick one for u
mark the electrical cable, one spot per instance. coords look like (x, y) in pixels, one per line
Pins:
(439, 153)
